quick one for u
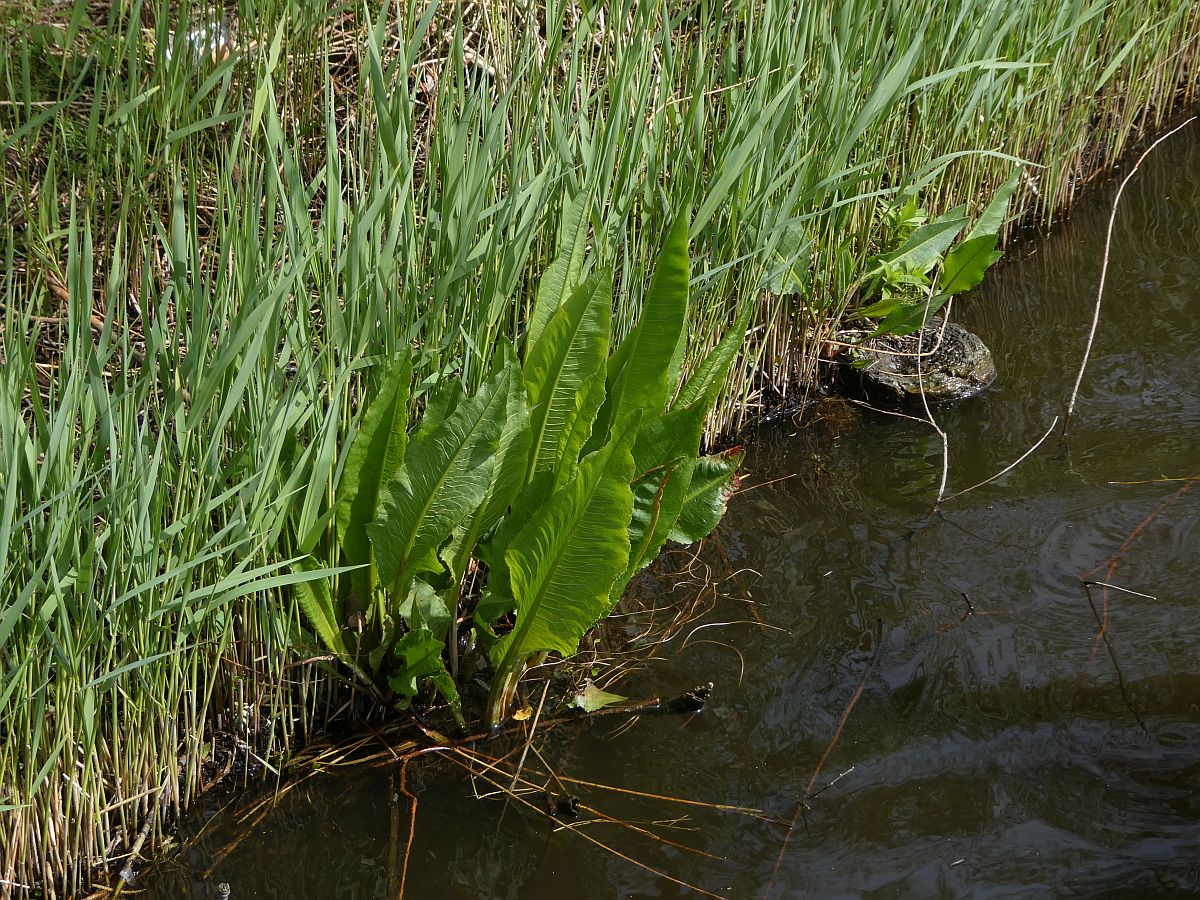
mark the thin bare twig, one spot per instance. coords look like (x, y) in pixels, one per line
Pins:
(1012, 465)
(1087, 352)
(925, 399)
(576, 831)
(412, 823)
(1112, 654)
(529, 741)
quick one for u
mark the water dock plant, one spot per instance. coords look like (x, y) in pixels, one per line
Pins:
(215, 256)
(507, 475)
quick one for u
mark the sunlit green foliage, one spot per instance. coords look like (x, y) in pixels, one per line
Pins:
(505, 469)
(215, 250)
(916, 278)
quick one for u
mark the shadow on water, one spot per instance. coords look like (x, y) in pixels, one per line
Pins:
(990, 754)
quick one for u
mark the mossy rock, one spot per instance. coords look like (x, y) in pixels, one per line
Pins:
(884, 369)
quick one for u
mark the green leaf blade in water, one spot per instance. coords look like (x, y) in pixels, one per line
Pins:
(445, 475)
(593, 699)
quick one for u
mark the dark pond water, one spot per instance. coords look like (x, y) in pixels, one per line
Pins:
(986, 755)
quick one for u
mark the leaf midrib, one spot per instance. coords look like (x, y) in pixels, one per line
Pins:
(535, 606)
(441, 480)
(544, 416)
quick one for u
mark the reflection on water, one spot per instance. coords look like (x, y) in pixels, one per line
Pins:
(992, 751)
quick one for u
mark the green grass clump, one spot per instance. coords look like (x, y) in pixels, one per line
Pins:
(211, 245)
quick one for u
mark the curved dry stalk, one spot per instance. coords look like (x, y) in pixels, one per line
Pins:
(723, 624)
(1007, 468)
(741, 658)
(1154, 481)
(1112, 218)
(748, 811)
(601, 818)
(886, 412)
(587, 837)
(925, 400)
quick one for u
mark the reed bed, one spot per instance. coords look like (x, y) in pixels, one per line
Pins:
(218, 221)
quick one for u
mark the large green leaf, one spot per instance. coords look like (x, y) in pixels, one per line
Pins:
(646, 373)
(563, 274)
(424, 607)
(709, 376)
(440, 401)
(657, 502)
(576, 439)
(571, 351)
(713, 481)
(508, 474)
(645, 369)
(926, 245)
(566, 557)
(966, 264)
(418, 655)
(992, 219)
(445, 475)
(312, 591)
(906, 318)
(516, 440)
(374, 456)
(316, 601)
(664, 457)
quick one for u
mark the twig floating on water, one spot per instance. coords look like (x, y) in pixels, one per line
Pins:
(1112, 654)
(1012, 465)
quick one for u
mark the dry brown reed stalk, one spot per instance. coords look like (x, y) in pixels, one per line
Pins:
(1012, 465)
(473, 764)
(1114, 561)
(1104, 636)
